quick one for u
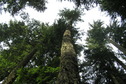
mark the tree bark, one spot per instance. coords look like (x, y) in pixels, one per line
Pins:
(117, 45)
(121, 49)
(12, 76)
(116, 79)
(120, 62)
(68, 62)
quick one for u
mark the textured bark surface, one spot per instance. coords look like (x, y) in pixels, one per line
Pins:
(11, 77)
(68, 62)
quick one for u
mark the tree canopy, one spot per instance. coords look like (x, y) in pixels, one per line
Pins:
(100, 59)
(34, 52)
(20, 44)
(14, 6)
(32, 47)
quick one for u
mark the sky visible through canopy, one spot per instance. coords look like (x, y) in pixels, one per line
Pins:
(51, 14)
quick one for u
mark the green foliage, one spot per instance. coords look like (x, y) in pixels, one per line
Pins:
(100, 60)
(87, 4)
(37, 75)
(71, 16)
(68, 59)
(5, 67)
(14, 6)
(96, 35)
(20, 39)
(100, 65)
(114, 7)
(11, 37)
(117, 32)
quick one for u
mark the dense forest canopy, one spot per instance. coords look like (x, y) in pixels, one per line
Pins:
(39, 53)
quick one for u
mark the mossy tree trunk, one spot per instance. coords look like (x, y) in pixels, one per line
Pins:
(68, 62)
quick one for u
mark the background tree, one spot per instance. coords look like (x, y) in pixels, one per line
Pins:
(100, 58)
(22, 39)
(14, 6)
(114, 8)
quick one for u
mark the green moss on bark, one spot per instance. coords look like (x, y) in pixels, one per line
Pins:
(68, 62)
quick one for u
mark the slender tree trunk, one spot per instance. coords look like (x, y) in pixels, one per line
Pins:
(114, 79)
(120, 80)
(121, 49)
(120, 62)
(117, 45)
(12, 76)
(68, 62)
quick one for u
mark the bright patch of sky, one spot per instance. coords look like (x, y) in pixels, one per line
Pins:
(51, 14)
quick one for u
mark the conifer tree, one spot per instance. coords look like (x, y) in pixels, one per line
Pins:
(101, 58)
(68, 61)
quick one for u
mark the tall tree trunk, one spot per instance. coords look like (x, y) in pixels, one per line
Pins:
(114, 79)
(120, 62)
(117, 45)
(68, 62)
(12, 76)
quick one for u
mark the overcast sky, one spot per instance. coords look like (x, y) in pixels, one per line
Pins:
(51, 13)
